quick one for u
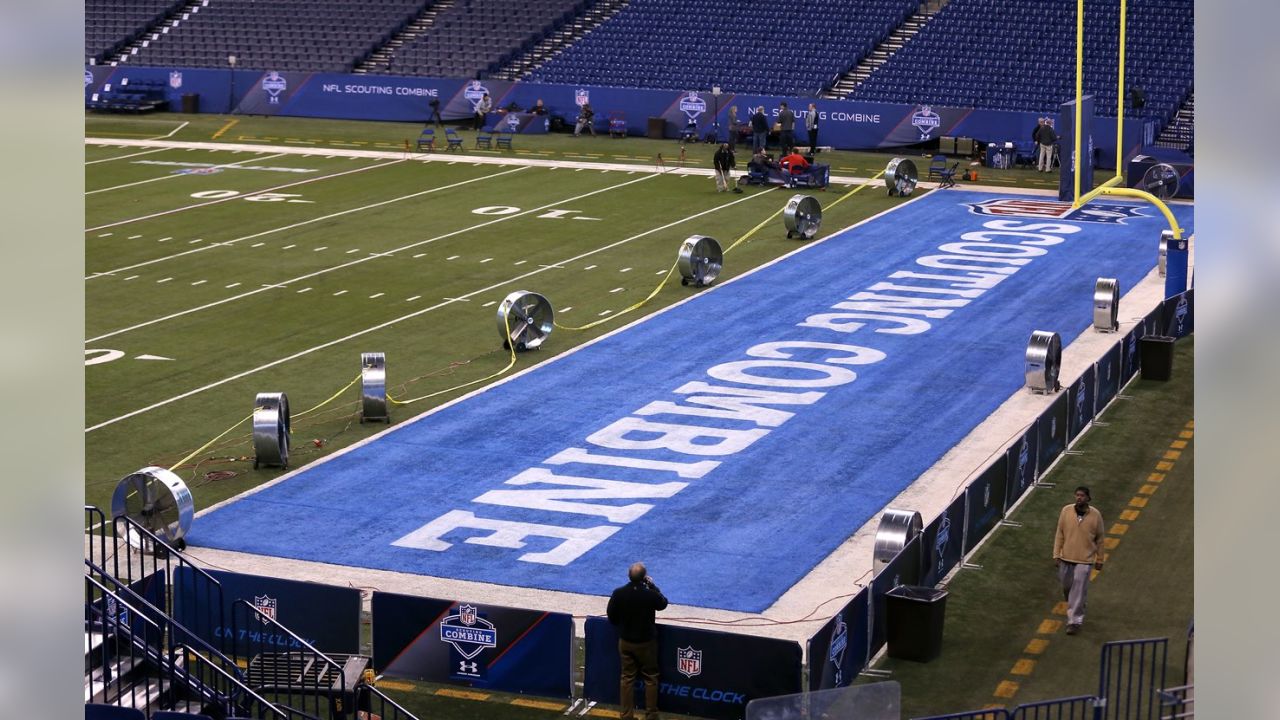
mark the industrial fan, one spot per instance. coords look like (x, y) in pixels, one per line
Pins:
(901, 177)
(157, 500)
(700, 260)
(525, 319)
(802, 216)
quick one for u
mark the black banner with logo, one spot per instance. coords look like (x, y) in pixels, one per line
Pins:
(942, 543)
(1081, 396)
(1108, 374)
(1052, 426)
(1179, 317)
(1130, 357)
(487, 646)
(1021, 458)
(838, 651)
(986, 502)
(702, 672)
(326, 616)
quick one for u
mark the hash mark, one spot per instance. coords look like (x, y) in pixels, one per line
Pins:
(199, 282)
(234, 284)
(615, 290)
(131, 277)
(257, 245)
(322, 247)
(521, 262)
(415, 297)
(376, 296)
(286, 247)
(304, 290)
(164, 280)
(353, 250)
(340, 292)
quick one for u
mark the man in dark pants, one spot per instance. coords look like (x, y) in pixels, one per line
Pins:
(632, 610)
(786, 127)
(759, 130)
(435, 113)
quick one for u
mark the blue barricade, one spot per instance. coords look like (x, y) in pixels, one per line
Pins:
(1053, 432)
(838, 651)
(1023, 458)
(1081, 394)
(942, 542)
(985, 497)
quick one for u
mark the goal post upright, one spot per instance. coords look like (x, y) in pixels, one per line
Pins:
(1114, 185)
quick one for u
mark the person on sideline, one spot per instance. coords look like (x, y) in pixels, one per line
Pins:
(733, 127)
(811, 124)
(1075, 551)
(482, 108)
(586, 120)
(759, 130)
(725, 162)
(786, 127)
(632, 609)
(1047, 138)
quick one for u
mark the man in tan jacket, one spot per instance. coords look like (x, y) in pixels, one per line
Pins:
(1075, 551)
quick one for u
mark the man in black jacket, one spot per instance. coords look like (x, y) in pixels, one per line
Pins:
(759, 130)
(632, 610)
(725, 162)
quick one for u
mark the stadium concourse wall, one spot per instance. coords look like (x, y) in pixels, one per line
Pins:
(844, 124)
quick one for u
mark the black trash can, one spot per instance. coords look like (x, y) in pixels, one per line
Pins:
(191, 102)
(914, 616)
(1157, 357)
(657, 128)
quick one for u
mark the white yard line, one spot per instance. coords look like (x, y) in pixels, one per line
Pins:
(172, 132)
(423, 311)
(123, 157)
(170, 176)
(306, 222)
(504, 218)
(241, 197)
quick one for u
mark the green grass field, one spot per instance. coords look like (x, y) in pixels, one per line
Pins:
(240, 292)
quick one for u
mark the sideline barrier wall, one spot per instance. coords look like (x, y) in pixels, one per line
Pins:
(326, 616)
(985, 502)
(485, 646)
(702, 672)
(1108, 379)
(1130, 358)
(838, 651)
(1023, 458)
(845, 124)
(1179, 318)
(942, 542)
(903, 569)
(1081, 396)
(1053, 432)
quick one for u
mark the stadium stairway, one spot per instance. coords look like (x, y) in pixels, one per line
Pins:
(1180, 133)
(521, 66)
(155, 30)
(849, 81)
(380, 59)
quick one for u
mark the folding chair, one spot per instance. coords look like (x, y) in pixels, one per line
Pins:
(937, 167)
(504, 140)
(454, 139)
(948, 175)
(427, 140)
(484, 142)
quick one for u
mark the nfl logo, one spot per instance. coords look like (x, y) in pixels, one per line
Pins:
(267, 606)
(581, 97)
(467, 614)
(689, 661)
(175, 79)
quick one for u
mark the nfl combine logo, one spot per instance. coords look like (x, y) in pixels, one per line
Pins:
(926, 121)
(267, 606)
(689, 661)
(175, 79)
(468, 633)
(692, 106)
(273, 84)
(839, 643)
(581, 97)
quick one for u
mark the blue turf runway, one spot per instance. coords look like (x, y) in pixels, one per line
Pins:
(763, 491)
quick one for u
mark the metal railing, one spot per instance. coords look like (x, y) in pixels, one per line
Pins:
(1130, 672)
(287, 668)
(1080, 707)
(371, 701)
(132, 668)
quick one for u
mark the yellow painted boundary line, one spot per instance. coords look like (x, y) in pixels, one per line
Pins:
(1023, 667)
(230, 123)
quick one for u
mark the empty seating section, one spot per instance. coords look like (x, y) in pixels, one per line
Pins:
(1016, 55)
(763, 46)
(305, 35)
(477, 36)
(109, 25)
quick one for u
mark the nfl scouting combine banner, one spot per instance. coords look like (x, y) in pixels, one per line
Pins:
(1022, 457)
(1081, 394)
(1108, 373)
(1131, 358)
(985, 502)
(838, 651)
(326, 616)
(1066, 127)
(1053, 432)
(702, 672)
(1179, 315)
(447, 641)
(942, 543)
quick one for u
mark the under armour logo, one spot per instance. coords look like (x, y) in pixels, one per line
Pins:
(468, 667)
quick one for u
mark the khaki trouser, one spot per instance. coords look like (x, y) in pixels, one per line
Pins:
(642, 659)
